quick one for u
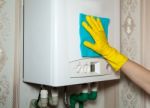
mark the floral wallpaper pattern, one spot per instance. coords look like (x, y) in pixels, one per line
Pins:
(130, 94)
(2, 58)
(6, 54)
(129, 25)
(2, 2)
(128, 5)
(4, 87)
(2, 52)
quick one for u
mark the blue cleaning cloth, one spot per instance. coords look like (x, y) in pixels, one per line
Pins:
(85, 36)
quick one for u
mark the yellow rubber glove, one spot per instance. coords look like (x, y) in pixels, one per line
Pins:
(101, 45)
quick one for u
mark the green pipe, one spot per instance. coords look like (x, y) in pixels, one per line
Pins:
(73, 101)
(81, 98)
(81, 104)
(92, 95)
(75, 98)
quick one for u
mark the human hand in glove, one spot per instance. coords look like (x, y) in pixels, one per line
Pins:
(101, 45)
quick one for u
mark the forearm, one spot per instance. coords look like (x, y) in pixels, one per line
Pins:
(137, 74)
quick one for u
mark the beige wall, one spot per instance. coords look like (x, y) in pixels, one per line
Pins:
(130, 96)
(7, 34)
(146, 33)
(112, 94)
(146, 40)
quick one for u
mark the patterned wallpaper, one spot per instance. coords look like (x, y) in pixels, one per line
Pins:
(6, 53)
(130, 96)
(4, 84)
(2, 31)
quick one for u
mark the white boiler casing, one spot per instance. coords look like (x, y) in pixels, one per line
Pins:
(52, 42)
